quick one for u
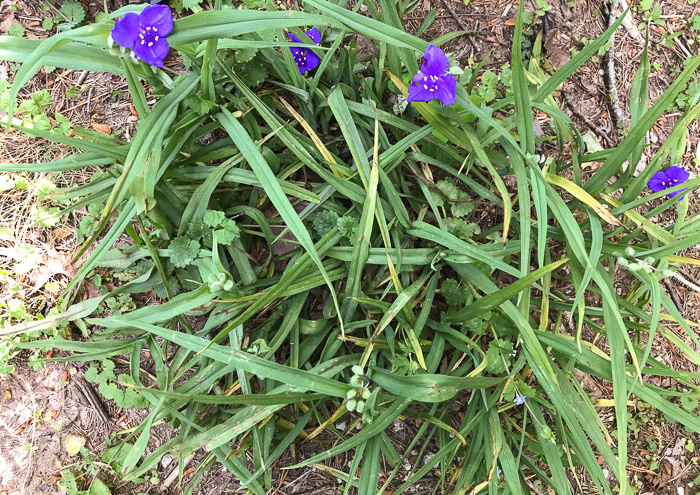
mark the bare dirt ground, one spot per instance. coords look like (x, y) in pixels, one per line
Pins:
(39, 409)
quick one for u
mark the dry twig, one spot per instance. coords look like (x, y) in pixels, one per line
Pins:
(611, 80)
(602, 133)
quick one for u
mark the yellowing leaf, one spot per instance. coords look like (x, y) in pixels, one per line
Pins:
(583, 196)
(73, 444)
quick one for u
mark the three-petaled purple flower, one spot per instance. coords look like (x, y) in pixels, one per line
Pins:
(519, 399)
(673, 176)
(303, 57)
(433, 81)
(145, 33)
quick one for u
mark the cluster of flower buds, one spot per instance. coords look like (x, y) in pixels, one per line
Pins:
(634, 264)
(357, 396)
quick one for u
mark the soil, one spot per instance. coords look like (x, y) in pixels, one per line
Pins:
(34, 403)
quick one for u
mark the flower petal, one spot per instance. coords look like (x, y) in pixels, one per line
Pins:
(293, 38)
(677, 174)
(314, 35)
(126, 30)
(658, 182)
(420, 92)
(419, 78)
(153, 53)
(674, 194)
(446, 90)
(311, 62)
(436, 62)
(157, 17)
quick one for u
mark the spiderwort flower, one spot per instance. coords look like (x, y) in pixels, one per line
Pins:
(673, 176)
(145, 33)
(433, 81)
(303, 57)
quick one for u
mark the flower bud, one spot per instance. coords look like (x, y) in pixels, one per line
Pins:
(629, 251)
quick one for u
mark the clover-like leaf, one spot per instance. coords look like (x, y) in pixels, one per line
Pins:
(228, 233)
(325, 221)
(199, 104)
(183, 251)
(214, 218)
(460, 228)
(454, 295)
(73, 11)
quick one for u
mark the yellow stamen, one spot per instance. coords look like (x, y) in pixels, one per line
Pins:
(157, 38)
(150, 44)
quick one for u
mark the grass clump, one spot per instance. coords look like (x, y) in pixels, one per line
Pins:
(326, 253)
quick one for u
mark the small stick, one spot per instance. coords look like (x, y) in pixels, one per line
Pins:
(674, 295)
(616, 113)
(174, 473)
(459, 20)
(597, 129)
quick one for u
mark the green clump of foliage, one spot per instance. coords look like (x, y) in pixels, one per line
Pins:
(347, 255)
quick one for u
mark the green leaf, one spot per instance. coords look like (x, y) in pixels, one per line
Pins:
(48, 217)
(183, 251)
(189, 4)
(73, 11)
(97, 487)
(427, 387)
(325, 221)
(230, 232)
(64, 124)
(245, 54)
(347, 226)
(36, 103)
(199, 104)
(496, 356)
(214, 218)
(254, 73)
(16, 30)
(454, 295)
(460, 228)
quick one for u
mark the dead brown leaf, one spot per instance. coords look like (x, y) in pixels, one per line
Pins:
(53, 263)
(103, 128)
(8, 21)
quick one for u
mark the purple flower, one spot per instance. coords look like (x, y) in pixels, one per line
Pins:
(519, 399)
(673, 176)
(433, 81)
(145, 33)
(305, 58)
